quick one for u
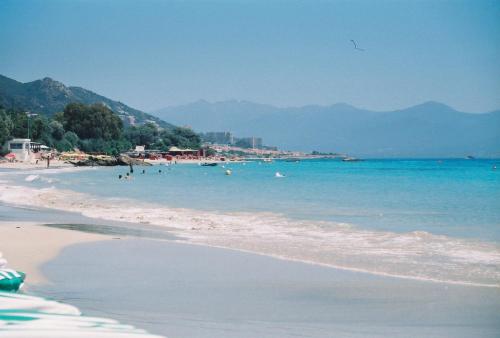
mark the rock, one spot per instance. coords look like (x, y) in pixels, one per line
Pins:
(127, 160)
(107, 161)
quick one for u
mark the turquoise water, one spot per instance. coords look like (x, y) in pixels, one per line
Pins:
(421, 219)
(459, 198)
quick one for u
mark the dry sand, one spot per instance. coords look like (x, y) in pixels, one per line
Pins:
(33, 165)
(26, 246)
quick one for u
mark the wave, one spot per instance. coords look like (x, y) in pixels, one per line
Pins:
(416, 255)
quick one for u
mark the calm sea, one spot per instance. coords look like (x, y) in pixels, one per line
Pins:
(413, 217)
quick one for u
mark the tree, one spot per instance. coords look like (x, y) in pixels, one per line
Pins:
(92, 122)
(6, 127)
(181, 137)
(57, 130)
(146, 135)
(68, 142)
(40, 129)
(20, 122)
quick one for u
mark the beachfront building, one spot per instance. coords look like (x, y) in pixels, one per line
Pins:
(25, 150)
(249, 142)
(218, 137)
(174, 151)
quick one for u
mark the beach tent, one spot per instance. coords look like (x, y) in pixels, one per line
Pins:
(177, 151)
(11, 280)
(174, 149)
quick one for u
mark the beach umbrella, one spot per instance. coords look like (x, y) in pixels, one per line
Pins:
(11, 280)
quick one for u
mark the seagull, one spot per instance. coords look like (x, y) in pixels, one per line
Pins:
(356, 46)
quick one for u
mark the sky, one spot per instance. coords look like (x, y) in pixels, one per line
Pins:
(151, 54)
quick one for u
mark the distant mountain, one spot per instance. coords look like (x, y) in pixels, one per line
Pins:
(48, 96)
(430, 129)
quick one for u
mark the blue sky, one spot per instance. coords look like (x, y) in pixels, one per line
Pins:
(150, 54)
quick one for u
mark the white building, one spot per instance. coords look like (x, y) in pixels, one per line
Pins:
(24, 149)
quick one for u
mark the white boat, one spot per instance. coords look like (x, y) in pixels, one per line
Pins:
(351, 159)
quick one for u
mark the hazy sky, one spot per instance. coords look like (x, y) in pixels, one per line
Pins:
(151, 54)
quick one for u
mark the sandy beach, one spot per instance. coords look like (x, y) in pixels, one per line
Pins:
(33, 165)
(29, 245)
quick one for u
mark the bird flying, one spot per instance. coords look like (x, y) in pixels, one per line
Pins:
(356, 46)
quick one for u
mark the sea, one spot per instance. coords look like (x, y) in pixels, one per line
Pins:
(422, 219)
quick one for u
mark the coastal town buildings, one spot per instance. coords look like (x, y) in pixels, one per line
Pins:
(250, 142)
(219, 137)
(227, 138)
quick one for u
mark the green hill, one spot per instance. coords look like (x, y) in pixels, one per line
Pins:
(48, 97)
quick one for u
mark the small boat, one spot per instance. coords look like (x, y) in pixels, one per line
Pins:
(211, 164)
(267, 160)
(295, 160)
(351, 159)
(470, 157)
(228, 172)
(279, 175)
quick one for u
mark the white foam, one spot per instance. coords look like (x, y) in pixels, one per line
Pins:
(31, 178)
(418, 255)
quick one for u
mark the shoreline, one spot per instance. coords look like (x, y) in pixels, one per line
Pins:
(179, 222)
(54, 164)
(60, 164)
(29, 245)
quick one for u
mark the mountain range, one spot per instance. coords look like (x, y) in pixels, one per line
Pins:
(47, 96)
(430, 129)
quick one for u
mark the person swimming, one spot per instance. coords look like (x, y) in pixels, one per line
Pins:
(143, 171)
(120, 177)
(159, 171)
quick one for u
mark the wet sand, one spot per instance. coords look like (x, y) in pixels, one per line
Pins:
(30, 237)
(182, 290)
(28, 245)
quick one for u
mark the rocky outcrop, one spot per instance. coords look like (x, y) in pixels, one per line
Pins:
(109, 161)
(127, 160)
